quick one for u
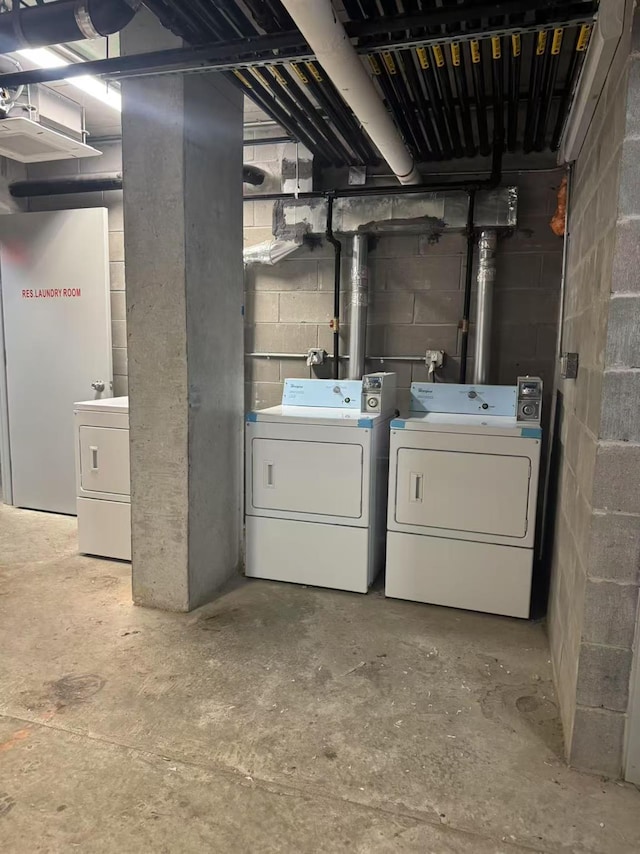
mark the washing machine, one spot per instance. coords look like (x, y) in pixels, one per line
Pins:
(316, 482)
(102, 477)
(463, 488)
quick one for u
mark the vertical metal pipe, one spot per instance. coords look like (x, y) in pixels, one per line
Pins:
(486, 278)
(337, 268)
(468, 284)
(359, 306)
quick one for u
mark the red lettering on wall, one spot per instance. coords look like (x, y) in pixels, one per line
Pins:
(51, 293)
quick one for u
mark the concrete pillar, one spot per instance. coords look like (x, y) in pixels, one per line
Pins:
(182, 161)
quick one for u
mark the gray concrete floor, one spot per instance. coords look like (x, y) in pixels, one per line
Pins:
(277, 719)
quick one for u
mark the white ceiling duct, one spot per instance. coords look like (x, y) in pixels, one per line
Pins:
(319, 24)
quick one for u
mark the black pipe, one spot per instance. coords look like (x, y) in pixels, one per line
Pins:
(550, 84)
(269, 140)
(63, 21)
(71, 184)
(252, 175)
(477, 67)
(337, 246)
(515, 60)
(468, 284)
(97, 183)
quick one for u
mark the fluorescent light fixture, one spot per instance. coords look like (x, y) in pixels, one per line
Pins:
(45, 58)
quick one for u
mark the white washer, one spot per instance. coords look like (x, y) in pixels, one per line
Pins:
(463, 484)
(102, 477)
(316, 483)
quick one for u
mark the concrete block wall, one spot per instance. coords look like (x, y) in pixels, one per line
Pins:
(415, 301)
(594, 592)
(109, 161)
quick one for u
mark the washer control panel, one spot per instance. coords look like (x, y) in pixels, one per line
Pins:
(530, 399)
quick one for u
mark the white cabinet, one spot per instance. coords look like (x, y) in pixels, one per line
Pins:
(102, 477)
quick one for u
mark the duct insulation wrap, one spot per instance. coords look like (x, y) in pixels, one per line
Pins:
(428, 213)
(270, 252)
(484, 314)
(359, 306)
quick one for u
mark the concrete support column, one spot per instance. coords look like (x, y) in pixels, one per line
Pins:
(182, 161)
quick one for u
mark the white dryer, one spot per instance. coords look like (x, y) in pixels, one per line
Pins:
(463, 487)
(316, 482)
(102, 477)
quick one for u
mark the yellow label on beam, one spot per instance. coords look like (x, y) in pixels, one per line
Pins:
(242, 78)
(516, 44)
(303, 77)
(455, 53)
(583, 38)
(375, 68)
(278, 75)
(556, 43)
(541, 44)
(314, 71)
(423, 58)
(438, 55)
(496, 47)
(475, 51)
(390, 62)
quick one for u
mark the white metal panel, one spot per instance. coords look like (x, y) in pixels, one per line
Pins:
(322, 478)
(57, 331)
(104, 460)
(332, 556)
(476, 493)
(104, 528)
(460, 574)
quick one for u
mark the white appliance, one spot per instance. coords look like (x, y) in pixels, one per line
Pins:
(316, 482)
(463, 485)
(102, 477)
(55, 347)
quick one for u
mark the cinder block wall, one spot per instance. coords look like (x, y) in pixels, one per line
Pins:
(416, 297)
(597, 542)
(109, 161)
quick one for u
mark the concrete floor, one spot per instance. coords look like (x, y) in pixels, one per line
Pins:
(278, 719)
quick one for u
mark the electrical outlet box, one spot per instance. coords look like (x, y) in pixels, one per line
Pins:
(434, 357)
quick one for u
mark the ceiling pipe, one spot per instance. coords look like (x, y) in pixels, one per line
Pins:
(64, 21)
(330, 43)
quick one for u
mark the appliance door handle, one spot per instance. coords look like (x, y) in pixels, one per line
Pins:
(416, 487)
(94, 457)
(269, 476)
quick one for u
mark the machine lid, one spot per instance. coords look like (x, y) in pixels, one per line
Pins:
(106, 404)
(315, 415)
(446, 422)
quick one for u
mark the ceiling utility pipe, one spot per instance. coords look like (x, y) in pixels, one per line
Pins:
(328, 40)
(359, 306)
(71, 184)
(484, 314)
(64, 21)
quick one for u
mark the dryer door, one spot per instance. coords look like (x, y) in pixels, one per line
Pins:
(322, 478)
(477, 493)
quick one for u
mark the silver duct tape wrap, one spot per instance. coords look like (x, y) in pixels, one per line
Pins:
(484, 316)
(424, 213)
(270, 252)
(359, 306)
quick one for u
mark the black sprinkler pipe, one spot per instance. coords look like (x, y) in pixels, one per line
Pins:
(468, 284)
(337, 266)
(63, 21)
(71, 184)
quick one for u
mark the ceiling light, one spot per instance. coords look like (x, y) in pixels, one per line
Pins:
(45, 58)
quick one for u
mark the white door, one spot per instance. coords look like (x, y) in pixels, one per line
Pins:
(457, 491)
(104, 460)
(54, 272)
(321, 478)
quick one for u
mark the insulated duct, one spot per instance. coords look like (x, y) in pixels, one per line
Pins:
(359, 306)
(64, 21)
(484, 313)
(270, 252)
(328, 40)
